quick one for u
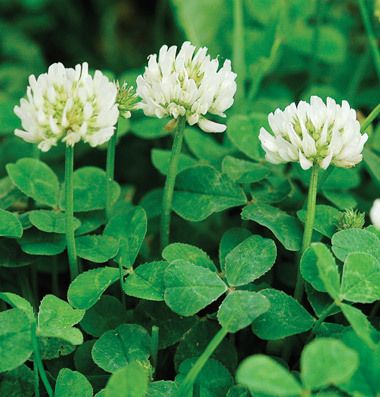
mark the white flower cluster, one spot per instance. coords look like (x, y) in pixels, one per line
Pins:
(374, 214)
(70, 105)
(314, 133)
(187, 83)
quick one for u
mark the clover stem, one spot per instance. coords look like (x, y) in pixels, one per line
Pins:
(325, 313)
(167, 197)
(36, 380)
(110, 171)
(368, 120)
(69, 200)
(371, 35)
(309, 224)
(154, 345)
(38, 362)
(191, 377)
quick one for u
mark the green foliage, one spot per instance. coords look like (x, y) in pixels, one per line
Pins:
(56, 319)
(240, 309)
(285, 227)
(118, 347)
(291, 318)
(201, 191)
(189, 288)
(249, 260)
(72, 383)
(36, 180)
(139, 317)
(89, 286)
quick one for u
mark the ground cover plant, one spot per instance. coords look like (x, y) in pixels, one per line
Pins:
(203, 221)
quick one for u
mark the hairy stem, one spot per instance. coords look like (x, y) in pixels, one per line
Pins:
(167, 197)
(191, 377)
(309, 224)
(110, 172)
(69, 198)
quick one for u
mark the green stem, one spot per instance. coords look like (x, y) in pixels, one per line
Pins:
(38, 361)
(36, 380)
(238, 49)
(329, 309)
(121, 275)
(309, 224)
(69, 198)
(110, 172)
(167, 197)
(154, 345)
(372, 116)
(191, 377)
(371, 35)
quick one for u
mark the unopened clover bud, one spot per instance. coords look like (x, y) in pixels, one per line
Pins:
(351, 219)
(126, 100)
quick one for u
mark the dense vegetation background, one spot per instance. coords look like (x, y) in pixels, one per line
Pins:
(281, 50)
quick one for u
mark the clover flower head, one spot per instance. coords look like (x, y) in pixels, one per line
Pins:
(374, 214)
(314, 133)
(126, 99)
(70, 105)
(187, 83)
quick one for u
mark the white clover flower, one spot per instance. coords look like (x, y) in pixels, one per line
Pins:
(126, 100)
(374, 213)
(315, 133)
(70, 105)
(187, 83)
